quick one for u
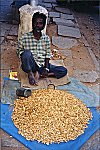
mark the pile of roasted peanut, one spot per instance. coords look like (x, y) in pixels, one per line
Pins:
(50, 116)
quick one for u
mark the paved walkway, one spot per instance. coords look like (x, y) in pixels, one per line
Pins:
(66, 37)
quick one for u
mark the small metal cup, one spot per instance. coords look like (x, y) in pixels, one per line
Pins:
(22, 92)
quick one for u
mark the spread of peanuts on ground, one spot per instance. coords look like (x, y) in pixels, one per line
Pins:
(50, 116)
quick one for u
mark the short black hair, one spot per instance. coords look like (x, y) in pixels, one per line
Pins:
(39, 15)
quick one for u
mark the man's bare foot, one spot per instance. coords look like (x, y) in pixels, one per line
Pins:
(31, 78)
(51, 74)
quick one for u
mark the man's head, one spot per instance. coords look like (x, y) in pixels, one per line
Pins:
(38, 21)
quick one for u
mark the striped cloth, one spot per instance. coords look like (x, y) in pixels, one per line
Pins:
(39, 48)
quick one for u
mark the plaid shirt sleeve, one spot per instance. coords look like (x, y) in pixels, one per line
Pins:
(48, 49)
(20, 48)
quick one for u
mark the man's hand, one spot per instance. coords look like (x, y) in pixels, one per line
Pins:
(45, 73)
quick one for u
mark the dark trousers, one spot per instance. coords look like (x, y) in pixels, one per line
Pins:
(29, 64)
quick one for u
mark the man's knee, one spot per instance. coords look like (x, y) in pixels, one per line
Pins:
(26, 54)
(60, 72)
(64, 71)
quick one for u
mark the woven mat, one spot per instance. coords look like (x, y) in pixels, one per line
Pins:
(43, 83)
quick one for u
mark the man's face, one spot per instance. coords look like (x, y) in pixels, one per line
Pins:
(38, 25)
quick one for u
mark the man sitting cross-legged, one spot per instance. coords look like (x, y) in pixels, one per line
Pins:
(34, 51)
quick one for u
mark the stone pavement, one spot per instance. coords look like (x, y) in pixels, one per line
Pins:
(66, 37)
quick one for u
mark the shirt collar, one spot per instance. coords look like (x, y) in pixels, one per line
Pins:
(31, 33)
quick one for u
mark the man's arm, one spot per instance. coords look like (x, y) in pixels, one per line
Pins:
(47, 57)
(47, 62)
(20, 48)
(46, 68)
(48, 53)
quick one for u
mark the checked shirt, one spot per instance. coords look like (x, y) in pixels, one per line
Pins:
(39, 48)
